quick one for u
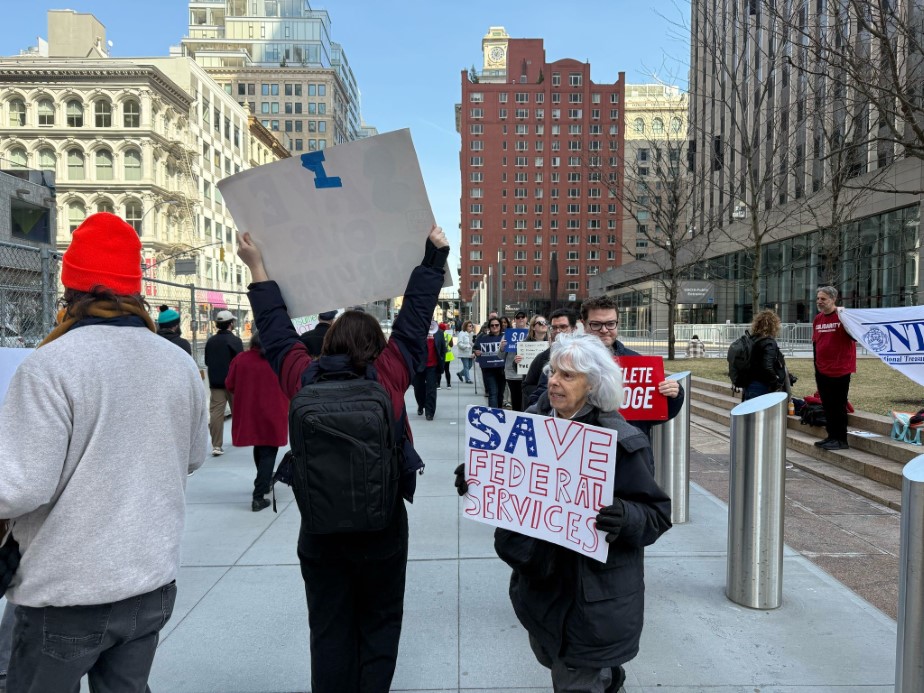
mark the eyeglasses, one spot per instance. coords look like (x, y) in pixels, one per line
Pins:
(494, 324)
(609, 325)
(561, 328)
(543, 323)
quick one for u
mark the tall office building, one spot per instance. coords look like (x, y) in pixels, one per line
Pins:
(277, 57)
(541, 149)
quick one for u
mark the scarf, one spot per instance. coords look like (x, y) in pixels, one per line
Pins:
(100, 312)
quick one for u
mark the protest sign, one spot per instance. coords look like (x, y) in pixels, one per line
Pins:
(305, 323)
(9, 362)
(529, 351)
(513, 336)
(895, 335)
(640, 378)
(338, 226)
(491, 356)
(539, 476)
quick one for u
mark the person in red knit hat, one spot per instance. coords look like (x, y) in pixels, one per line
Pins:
(95, 483)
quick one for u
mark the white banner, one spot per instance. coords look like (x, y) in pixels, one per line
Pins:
(895, 335)
(338, 226)
(539, 476)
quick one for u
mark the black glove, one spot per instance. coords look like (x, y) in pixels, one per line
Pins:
(435, 257)
(461, 483)
(611, 520)
(9, 562)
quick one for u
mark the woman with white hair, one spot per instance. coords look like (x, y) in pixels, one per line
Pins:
(584, 618)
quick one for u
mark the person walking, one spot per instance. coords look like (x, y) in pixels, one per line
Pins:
(491, 361)
(450, 357)
(168, 327)
(835, 356)
(464, 343)
(767, 372)
(95, 483)
(427, 377)
(314, 338)
(354, 581)
(220, 348)
(260, 415)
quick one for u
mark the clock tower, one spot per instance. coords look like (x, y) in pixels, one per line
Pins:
(494, 47)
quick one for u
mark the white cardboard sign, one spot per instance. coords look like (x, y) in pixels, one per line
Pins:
(539, 476)
(337, 226)
(529, 351)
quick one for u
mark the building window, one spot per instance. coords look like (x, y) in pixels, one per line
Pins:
(556, 79)
(18, 157)
(75, 165)
(132, 164)
(46, 112)
(134, 214)
(657, 126)
(74, 114)
(131, 114)
(476, 239)
(475, 270)
(104, 204)
(571, 270)
(102, 114)
(476, 113)
(575, 79)
(47, 159)
(476, 97)
(76, 213)
(103, 165)
(17, 113)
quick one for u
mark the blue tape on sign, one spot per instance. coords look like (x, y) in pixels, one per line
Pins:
(313, 161)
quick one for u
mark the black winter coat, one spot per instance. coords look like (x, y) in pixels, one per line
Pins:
(313, 339)
(590, 614)
(220, 348)
(174, 337)
(767, 364)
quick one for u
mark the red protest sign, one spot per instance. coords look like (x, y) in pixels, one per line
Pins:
(640, 378)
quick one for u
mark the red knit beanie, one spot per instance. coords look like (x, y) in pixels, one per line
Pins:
(104, 250)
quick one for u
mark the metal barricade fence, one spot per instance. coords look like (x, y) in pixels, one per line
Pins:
(28, 290)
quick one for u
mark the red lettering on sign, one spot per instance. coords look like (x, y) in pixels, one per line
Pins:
(521, 507)
(595, 538)
(561, 441)
(477, 459)
(573, 527)
(488, 495)
(597, 452)
(503, 497)
(475, 508)
(547, 518)
(561, 484)
(539, 479)
(517, 472)
(498, 467)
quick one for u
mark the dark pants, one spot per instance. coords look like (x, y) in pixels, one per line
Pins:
(425, 383)
(494, 382)
(264, 457)
(833, 392)
(114, 644)
(448, 374)
(567, 679)
(516, 394)
(754, 389)
(355, 590)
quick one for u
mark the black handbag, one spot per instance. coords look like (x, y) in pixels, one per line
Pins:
(9, 562)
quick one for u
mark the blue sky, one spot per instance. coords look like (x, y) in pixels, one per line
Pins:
(408, 55)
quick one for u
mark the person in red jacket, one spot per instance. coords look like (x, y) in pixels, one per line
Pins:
(260, 414)
(835, 354)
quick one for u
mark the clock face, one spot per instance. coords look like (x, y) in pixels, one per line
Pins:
(496, 54)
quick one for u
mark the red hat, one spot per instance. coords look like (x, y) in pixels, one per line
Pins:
(443, 325)
(104, 250)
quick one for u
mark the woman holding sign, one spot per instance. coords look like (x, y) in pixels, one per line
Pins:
(491, 360)
(584, 618)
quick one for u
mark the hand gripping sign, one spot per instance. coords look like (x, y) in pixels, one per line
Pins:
(339, 226)
(641, 400)
(539, 476)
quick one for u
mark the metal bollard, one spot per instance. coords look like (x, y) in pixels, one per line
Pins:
(670, 445)
(909, 658)
(757, 471)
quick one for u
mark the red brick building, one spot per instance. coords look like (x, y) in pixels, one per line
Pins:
(541, 149)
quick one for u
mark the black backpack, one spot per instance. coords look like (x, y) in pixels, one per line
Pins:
(813, 415)
(346, 455)
(739, 360)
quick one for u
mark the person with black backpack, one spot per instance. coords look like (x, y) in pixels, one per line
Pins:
(353, 463)
(767, 368)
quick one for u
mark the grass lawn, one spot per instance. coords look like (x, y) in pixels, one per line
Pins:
(874, 388)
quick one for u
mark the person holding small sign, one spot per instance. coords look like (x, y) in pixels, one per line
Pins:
(511, 359)
(584, 618)
(491, 360)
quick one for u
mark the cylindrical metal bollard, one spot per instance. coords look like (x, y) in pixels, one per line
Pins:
(670, 445)
(757, 472)
(909, 659)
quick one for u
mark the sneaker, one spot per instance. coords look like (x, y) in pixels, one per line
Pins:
(419, 411)
(835, 445)
(438, 387)
(259, 504)
(468, 382)
(459, 374)
(429, 417)
(217, 451)
(449, 386)
(822, 443)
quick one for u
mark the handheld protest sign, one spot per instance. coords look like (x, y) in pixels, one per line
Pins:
(640, 378)
(529, 351)
(513, 336)
(337, 226)
(491, 356)
(539, 476)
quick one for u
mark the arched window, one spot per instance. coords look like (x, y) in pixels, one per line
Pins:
(132, 164)
(18, 157)
(47, 161)
(76, 213)
(75, 165)
(131, 114)
(675, 124)
(17, 113)
(104, 204)
(46, 112)
(103, 165)
(657, 126)
(103, 112)
(639, 125)
(74, 114)
(133, 214)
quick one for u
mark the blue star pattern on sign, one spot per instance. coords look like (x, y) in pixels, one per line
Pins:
(522, 428)
(474, 418)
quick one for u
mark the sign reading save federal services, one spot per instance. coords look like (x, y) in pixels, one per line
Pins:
(539, 476)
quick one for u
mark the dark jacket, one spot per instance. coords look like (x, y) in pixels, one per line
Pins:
(767, 364)
(220, 348)
(314, 338)
(174, 337)
(674, 404)
(439, 346)
(587, 613)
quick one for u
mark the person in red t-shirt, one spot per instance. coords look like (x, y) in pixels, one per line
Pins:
(835, 355)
